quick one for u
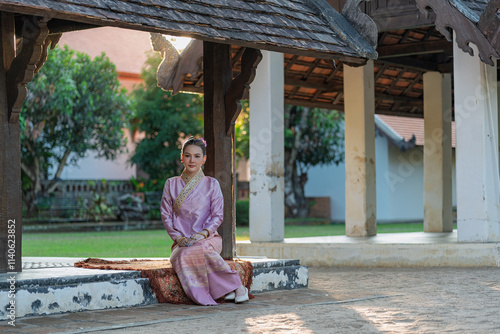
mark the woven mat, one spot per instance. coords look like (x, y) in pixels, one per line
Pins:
(162, 276)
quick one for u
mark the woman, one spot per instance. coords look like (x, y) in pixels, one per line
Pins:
(192, 208)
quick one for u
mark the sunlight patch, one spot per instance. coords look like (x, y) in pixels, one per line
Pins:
(288, 322)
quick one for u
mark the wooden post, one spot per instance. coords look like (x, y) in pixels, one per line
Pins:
(217, 79)
(10, 163)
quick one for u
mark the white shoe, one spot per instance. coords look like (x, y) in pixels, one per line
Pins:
(242, 299)
(230, 296)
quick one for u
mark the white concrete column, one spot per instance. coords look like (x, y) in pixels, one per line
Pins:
(359, 102)
(267, 150)
(437, 153)
(477, 161)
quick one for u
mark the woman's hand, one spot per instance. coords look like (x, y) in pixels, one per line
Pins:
(184, 242)
(196, 237)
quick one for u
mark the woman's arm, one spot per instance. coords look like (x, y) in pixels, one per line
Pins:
(167, 214)
(216, 208)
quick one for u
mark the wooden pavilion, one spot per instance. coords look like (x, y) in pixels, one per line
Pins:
(412, 77)
(29, 27)
(414, 49)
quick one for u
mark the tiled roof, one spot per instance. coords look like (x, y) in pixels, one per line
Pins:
(294, 26)
(409, 126)
(474, 8)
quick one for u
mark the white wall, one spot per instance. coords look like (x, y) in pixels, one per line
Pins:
(91, 168)
(328, 181)
(399, 184)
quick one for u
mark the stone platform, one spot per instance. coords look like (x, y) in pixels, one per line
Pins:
(54, 285)
(415, 249)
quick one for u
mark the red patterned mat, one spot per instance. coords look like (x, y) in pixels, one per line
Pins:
(162, 277)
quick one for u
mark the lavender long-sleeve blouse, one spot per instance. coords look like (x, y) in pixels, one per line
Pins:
(202, 209)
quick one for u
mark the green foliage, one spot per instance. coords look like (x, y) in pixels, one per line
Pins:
(242, 212)
(142, 184)
(99, 208)
(242, 131)
(75, 102)
(312, 137)
(322, 140)
(164, 119)
(74, 105)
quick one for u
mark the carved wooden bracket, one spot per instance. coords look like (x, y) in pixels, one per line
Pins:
(175, 66)
(249, 61)
(29, 60)
(363, 23)
(489, 23)
(466, 31)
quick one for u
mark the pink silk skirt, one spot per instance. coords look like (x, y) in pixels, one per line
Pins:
(203, 273)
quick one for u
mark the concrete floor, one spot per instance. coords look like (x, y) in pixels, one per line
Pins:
(338, 300)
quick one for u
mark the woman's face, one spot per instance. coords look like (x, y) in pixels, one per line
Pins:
(193, 159)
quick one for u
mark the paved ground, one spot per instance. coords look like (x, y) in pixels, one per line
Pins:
(338, 300)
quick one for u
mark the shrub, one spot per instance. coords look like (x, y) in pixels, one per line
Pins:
(242, 212)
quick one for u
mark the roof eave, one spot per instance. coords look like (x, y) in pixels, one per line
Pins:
(341, 26)
(359, 58)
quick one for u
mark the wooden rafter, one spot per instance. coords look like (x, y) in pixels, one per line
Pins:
(313, 83)
(415, 48)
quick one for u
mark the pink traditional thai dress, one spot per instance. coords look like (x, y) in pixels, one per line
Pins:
(188, 206)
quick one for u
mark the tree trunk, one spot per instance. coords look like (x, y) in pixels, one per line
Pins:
(295, 199)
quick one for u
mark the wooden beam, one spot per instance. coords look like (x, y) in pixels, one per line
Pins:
(419, 114)
(411, 63)
(417, 48)
(61, 26)
(10, 163)
(307, 103)
(401, 99)
(217, 79)
(331, 87)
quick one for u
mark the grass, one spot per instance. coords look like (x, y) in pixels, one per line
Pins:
(156, 243)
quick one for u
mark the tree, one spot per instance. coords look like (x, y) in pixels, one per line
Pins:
(312, 137)
(164, 119)
(242, 132)
(74, 105)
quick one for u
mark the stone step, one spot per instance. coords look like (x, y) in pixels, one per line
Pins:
(53, 285)
(275, 274)
(57, 290)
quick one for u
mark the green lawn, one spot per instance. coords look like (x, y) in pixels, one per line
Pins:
(156, 243)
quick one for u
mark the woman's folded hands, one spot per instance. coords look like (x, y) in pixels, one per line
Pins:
(186, 242)
(196, 237)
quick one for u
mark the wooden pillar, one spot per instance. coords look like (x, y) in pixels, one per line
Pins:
(217, 79)
(361, 203)
(10, 163)
(477, 161)
(437, 153)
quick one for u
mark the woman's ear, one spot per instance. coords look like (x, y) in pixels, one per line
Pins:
(181, 157)
(204, 159)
